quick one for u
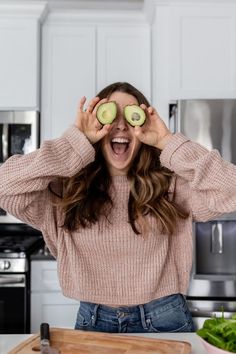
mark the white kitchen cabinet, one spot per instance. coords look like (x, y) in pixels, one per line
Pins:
(203, 51)
(20, 56)
(68, 73)
(82, 52)
(194, 51)
(47, 301)
(124, 54)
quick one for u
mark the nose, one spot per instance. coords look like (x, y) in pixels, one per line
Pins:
(120, 123)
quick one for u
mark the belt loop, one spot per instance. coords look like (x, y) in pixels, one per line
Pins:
(142, 315)
(95, 312)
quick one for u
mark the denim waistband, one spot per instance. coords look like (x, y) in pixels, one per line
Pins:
(144, 317)
(163, 302)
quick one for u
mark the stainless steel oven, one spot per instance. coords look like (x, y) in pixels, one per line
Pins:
(13, 303)
(19, 134)
(17, 242)
(213, 280)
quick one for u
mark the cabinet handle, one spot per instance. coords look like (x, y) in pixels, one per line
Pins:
(11, 280)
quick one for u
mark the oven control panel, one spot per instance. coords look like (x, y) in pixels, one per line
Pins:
(13, 265)
(4, 264)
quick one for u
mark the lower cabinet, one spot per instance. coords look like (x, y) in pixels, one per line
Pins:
(47, 301)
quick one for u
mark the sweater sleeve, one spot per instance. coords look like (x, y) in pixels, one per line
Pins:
(25, 179)
(211, 180)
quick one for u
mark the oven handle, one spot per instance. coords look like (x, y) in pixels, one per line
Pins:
(202, 313)
(12, 280)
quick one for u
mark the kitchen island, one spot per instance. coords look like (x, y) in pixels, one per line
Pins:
(9, 341)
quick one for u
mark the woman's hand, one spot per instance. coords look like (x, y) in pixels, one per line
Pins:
(87, 122)
(154, 132)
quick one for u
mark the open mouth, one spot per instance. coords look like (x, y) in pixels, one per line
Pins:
(120, 145)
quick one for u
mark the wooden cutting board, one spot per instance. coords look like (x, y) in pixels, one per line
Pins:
(70, 341)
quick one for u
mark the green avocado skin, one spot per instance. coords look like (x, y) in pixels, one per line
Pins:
(134, 115)
(106, 112)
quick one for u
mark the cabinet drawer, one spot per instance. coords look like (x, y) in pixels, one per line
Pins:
(44, 276)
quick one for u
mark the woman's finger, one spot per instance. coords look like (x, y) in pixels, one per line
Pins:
(92, 104)
(104, 130)
(151, 110)
(98, 125)
(81, 103)
(138, 132)
(143, 106)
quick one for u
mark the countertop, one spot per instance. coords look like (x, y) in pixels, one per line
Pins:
(9, 341)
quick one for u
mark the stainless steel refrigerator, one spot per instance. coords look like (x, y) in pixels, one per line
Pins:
(212, 123)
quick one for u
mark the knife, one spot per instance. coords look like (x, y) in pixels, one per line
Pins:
(45, 340)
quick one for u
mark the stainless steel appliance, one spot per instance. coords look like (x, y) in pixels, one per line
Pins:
(213, 279)
(202, 309)
(210, 122)
(212, 288)
(17, 242)
(19, 134)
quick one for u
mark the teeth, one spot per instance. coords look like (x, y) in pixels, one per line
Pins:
(120, 140)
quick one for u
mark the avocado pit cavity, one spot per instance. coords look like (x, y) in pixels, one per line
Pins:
(106, 112)
(134, 115)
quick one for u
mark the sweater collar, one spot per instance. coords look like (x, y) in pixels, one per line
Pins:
(119, 179)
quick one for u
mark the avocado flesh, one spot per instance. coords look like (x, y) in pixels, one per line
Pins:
(134, 115)
(107, 112)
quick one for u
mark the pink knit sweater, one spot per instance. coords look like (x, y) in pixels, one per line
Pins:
(107, 263)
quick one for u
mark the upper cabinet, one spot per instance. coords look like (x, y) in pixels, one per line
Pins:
(124, 54)
(194, 50)
(19, 59)
(203, 51)
(83, 52)
(55, 52)
(68, 73)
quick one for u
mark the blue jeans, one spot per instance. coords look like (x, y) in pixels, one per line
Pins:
(167, 314)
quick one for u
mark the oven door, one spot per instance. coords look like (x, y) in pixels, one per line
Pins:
(13, 304)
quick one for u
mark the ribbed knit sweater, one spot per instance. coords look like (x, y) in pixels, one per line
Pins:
(108, 263)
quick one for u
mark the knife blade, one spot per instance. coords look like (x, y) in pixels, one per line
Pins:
(45, 346)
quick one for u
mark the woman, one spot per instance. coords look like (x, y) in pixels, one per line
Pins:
(115, 205)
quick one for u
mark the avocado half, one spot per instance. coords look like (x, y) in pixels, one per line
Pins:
(107, 112)
(134, 115)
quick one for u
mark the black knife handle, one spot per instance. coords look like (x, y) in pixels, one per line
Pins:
(44, 331)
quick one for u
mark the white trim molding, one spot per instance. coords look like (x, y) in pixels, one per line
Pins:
(91, 16)
(24, 9)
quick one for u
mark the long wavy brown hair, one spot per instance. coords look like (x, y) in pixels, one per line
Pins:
(86, 195)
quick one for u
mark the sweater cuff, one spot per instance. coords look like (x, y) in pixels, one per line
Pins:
(171, 147)
(80, 144)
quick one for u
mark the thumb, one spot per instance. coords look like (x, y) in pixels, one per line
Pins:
(138, 133)
(105, 129)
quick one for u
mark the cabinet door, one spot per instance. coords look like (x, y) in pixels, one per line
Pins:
(19, 64)
(202, 51)
(53, 308)
(47, 301)
(123, 53)
(68, 73)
